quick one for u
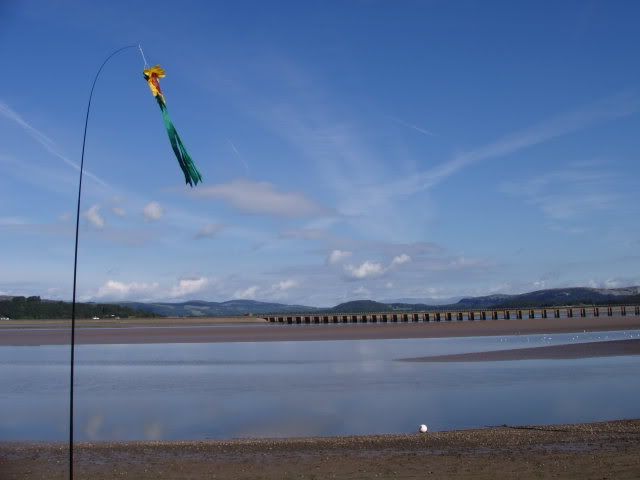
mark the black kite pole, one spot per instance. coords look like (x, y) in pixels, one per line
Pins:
(75, 259)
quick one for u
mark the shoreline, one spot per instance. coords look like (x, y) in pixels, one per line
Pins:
(592, 450)
(205, 332)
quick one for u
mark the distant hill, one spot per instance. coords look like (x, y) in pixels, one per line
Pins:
(484, 302)
(21, 307)
(424, 301)
(541, 298)
(231, 308)
(559, 297)
(359, 306)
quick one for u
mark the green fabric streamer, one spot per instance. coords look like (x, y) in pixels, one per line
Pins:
(191, 174)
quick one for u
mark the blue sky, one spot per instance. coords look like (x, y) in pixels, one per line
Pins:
(351, 149)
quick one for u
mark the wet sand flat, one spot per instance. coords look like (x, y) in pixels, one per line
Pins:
(586, 451)
(160, 332)
(551, 352)
(211, 331)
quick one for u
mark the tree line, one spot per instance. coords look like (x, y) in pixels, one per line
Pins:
(35, 308)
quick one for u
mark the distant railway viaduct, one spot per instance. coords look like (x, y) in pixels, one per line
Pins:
(453, 315)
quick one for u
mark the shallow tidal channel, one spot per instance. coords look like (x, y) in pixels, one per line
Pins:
(312, 388)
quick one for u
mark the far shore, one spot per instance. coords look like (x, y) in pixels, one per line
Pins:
(583, 451)
(132, 322)
(205, 330)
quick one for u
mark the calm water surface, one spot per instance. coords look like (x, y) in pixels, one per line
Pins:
(276, 389)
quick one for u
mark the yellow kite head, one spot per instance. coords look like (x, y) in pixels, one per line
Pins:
(152, 75)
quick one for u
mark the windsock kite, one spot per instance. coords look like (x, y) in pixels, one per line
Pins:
(191, 174)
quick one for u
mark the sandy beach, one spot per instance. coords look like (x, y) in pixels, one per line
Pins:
(552, 352)
(586, 451)
(211, 331)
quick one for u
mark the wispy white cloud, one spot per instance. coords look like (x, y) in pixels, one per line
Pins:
(276, 291)
(571, 193)
(210, 230)
(362, 292)
(239, 157)
(248, 293)
(400, 259)
(412, 126)
(153, 211)
(367, 269)
(115, 290)
(143, 291)
(319, 129)
(306, 234)
(281, 290)
(12, 221)
(607, 109)
(284, 285)
(261, 198)
(189, 286)
(44, 141)
(337, 256)
(94, 216)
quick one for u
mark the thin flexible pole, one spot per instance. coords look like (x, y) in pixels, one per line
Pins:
(75, 261)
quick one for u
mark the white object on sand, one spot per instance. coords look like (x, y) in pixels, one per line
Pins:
(423, 428)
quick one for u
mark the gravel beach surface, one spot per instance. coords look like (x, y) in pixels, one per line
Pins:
(585, 451)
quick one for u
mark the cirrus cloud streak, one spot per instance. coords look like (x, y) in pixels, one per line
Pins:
(262, 198)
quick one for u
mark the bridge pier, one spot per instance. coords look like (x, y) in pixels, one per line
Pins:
(457, 315)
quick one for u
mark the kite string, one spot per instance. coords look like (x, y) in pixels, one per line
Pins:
(144, 59)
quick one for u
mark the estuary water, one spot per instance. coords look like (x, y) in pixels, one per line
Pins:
(285, 389)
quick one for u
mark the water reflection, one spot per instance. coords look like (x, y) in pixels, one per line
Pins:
(198, 391)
